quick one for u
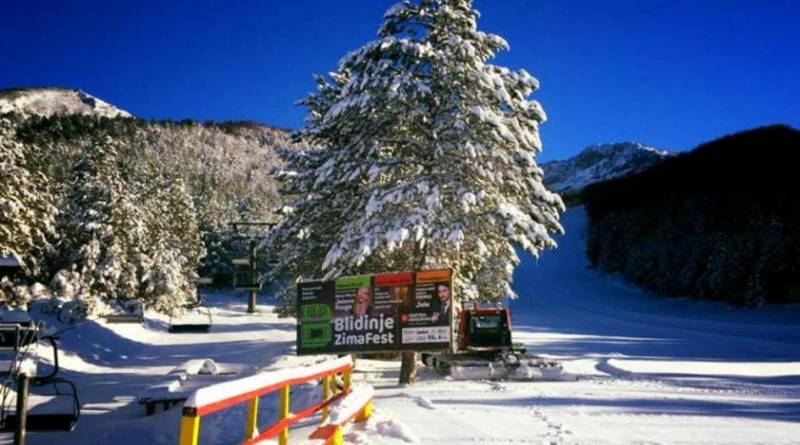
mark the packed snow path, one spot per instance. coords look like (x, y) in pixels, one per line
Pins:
(650, 371)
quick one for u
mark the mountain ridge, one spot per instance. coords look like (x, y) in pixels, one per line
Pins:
(597, 163)
(49, 101)
(568, 177)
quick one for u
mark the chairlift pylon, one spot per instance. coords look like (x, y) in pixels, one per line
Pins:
(253, 231)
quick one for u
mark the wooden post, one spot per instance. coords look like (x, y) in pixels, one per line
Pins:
(283, 412)
(251, 303)
(23, 387)
(408, 368)
(252, 419)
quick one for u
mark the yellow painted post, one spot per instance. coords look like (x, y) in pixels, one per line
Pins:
(326, 394)
(337, 438)
(347, 374)
(190, 430)
(365, 412)
(283, 412)
(334, 385)
(252, 418)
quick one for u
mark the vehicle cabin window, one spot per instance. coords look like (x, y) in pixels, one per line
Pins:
(487, 322)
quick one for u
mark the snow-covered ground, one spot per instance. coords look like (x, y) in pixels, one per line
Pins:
(649, 371)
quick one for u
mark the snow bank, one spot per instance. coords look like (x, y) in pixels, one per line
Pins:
(227, 390)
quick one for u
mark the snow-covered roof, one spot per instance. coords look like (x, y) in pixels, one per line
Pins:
(9, 263)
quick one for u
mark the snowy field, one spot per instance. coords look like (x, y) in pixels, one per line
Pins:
(648, 371)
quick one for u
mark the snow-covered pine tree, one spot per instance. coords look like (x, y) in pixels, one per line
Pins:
(426, 159)
(104, 238)
(175, 244)
(426, 147)
(27, 213)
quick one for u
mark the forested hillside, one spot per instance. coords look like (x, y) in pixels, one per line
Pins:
(721, 222)
(128, 210)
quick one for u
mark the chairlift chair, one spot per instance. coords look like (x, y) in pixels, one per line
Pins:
(198, 319)
(54, 408)
(133, 312)
(243, 280)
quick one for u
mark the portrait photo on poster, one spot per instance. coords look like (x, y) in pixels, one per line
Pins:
(363, 302)
(441, 304)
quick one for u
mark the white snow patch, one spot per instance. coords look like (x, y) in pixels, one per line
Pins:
(701, 372)
(425, 402)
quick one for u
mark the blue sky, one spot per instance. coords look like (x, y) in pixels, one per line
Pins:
(670, 74)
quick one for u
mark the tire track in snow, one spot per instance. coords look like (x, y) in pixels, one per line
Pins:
(719, 386)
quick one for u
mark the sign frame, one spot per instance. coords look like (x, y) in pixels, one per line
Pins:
(389, 312)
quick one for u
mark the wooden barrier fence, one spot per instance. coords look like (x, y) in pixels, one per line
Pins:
(349, 404)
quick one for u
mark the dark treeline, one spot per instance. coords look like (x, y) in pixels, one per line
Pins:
(721, 222)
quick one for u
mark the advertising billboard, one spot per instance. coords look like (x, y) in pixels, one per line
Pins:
(401, 311)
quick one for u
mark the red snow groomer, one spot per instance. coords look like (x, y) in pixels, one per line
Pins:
(484, 350)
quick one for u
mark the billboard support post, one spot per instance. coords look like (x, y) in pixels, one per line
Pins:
(251, 302)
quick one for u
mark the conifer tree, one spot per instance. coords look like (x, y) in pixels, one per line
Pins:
(175, 244)
(27, 213)
(104, 238)
(426, 154)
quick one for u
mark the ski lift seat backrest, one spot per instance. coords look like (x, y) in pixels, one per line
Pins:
(15, 317)
(17, 330)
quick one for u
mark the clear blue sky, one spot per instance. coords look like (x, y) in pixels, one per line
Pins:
(670, 74)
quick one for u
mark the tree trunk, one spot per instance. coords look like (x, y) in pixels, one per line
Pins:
(408, 368)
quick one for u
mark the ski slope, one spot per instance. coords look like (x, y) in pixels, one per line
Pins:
(648, 371)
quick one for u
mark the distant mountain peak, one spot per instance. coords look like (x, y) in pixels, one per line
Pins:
(55, 101)
(623, 147)
(600, 162)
